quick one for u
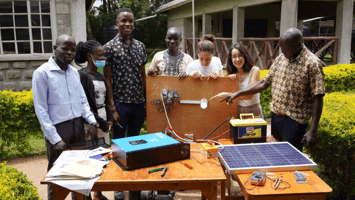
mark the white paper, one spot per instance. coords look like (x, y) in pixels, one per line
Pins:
(99, 150)
(82, 186)
(70, 156)
(84, 167)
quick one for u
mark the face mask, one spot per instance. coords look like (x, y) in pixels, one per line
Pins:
(100, 63)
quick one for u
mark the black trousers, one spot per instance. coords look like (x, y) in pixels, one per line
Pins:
(70, 131)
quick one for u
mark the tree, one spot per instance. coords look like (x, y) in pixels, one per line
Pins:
(152, 31)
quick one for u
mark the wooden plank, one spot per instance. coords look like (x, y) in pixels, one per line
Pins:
(189, 118)
(325, 47)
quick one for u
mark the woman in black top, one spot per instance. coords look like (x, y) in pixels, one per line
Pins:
(94, 87)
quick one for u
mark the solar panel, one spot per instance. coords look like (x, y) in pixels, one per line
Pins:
(276, 156)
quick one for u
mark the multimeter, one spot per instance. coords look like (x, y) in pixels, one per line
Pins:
(257, 178)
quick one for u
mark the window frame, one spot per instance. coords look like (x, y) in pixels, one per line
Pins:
(31, 55)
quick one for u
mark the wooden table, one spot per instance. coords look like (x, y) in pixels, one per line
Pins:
(204, 177)
(316, 188)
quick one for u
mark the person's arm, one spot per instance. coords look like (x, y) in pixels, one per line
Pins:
(40, 97)
(255, 76)
(153, 69)
(256, 88)
(310, 136)
(109, 90)
(143, 81)
(87, 114)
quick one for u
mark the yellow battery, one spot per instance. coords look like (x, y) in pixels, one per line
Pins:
(248, 130)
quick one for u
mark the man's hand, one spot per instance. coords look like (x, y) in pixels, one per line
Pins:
(229, 98)
(116, 117)
(220, 95)
(233, 77)
(92, 132)
(309, 139)
(196, 75)
(182, 75)
(59, 147)
(213, 75)
(152, 72)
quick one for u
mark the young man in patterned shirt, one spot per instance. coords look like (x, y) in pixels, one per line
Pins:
(297, 81)
(170, 62)
(125, 65)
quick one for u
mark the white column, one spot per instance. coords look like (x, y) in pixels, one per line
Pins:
(289, 9)
(238, 23)
(78, 20)
(343, 29)
(186, 31)
(206, 24)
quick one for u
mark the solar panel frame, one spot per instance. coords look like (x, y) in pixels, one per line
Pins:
(270, 156)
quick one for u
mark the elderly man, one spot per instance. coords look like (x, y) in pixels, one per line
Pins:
(60, 102)
(297, 81)
(170, 62)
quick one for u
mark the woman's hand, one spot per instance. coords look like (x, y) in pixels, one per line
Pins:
(233, 77)
(213, 75)
(220, 95)
(196, 75)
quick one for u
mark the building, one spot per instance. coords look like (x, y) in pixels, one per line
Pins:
(263, 19)
(28, 30)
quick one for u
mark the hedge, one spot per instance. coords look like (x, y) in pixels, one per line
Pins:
(337, 78)
(18, 122)
(335, 151)
(14, 185)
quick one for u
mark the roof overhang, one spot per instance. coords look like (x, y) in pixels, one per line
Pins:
(171, 5)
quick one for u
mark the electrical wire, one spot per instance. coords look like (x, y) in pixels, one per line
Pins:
(216, 128)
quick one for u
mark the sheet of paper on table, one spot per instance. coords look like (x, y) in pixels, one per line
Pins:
(99, 151)
(81, 186)
(69, 156)
(84, 167)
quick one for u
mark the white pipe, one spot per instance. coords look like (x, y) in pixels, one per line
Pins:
(144, 18)
(193, 29)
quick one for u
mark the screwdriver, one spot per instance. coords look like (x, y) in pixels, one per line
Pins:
(186, 165)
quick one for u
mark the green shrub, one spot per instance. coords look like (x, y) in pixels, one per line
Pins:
(18, 122)
(337, 78)
(335, 150)
(14, 185)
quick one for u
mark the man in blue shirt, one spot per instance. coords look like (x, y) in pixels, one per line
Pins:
(60, 101)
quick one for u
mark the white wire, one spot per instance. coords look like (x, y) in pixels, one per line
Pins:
(178, 136)
(167, 118)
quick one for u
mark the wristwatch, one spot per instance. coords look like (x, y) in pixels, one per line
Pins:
(95, 124)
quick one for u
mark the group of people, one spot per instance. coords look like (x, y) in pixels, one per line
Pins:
(64, 97)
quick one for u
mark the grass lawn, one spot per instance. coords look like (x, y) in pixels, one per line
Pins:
(38, 147)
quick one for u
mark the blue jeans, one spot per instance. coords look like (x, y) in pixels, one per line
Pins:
(131, 119)
(284, 128)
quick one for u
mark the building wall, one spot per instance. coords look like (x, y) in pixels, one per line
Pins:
(67, 17)
(286, 13)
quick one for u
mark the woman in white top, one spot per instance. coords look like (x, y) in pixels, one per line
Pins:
(207, 64)
(240, 67)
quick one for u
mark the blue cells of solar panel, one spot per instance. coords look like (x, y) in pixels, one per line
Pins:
(291, 154)
(233, 158)
(272, 155)
(253, 156)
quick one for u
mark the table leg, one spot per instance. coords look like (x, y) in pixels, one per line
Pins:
(59, 193)
(209, 191)
(223, 190)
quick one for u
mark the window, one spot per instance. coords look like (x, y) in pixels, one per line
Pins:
(25, 27)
